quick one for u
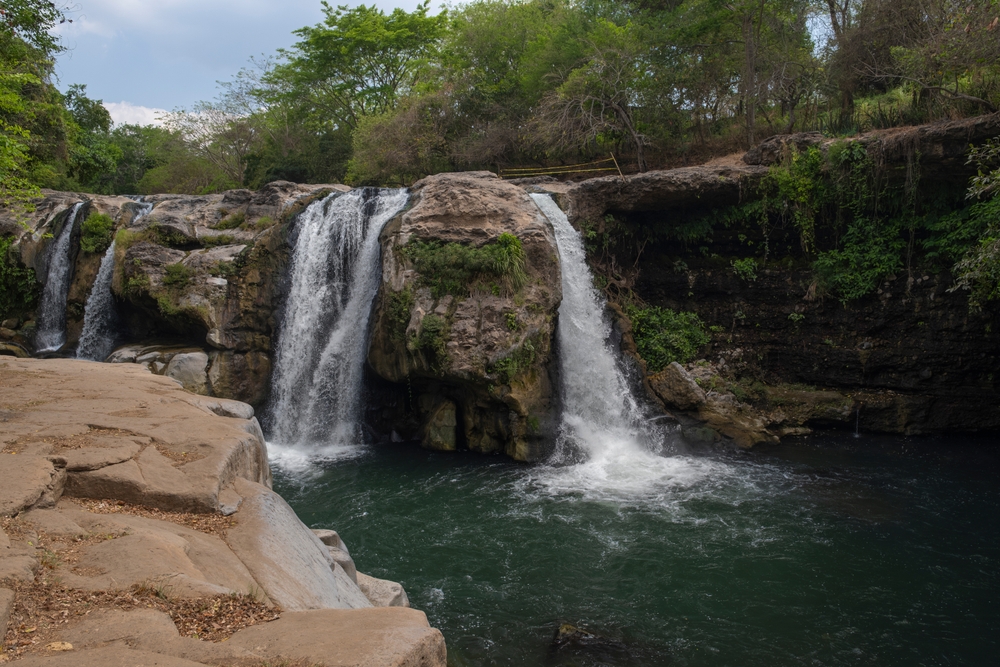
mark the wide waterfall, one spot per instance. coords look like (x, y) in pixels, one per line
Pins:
(322, 340)
(100, 319)
(615, 450)
(51, 332)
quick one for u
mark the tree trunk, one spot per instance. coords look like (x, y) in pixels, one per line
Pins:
(749, 82)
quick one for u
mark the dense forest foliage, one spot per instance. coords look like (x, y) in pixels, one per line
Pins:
(368, 96)
(374, 97)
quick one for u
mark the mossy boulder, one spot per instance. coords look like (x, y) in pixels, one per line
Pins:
(466, 314)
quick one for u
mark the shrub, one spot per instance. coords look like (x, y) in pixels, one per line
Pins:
(457, 269)
(98, 231)
(745, 269)
(177, 275)
(663, 336)
(870, 251)
(232, 221)
(398, 306)
(18, 287)
(432, 338)
(508, 367)
(213, 241)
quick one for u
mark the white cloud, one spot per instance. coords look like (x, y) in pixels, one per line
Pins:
(133, 114)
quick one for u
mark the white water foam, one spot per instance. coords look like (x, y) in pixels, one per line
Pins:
(51, 332)
(322, 342)
(607, 449)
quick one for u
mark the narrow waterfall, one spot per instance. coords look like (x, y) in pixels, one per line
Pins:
(51, 332)
(597, 400)
(606, 447)
(100, 319)
(322, 340)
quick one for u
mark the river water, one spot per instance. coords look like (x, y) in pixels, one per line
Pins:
(833, 550)
(824, 551)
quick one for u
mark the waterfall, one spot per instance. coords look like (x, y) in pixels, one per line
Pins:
(51, 323)
(606, 447)
(100, 319)
(322, 340)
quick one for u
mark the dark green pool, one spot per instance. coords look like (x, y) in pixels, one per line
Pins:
(826, 551)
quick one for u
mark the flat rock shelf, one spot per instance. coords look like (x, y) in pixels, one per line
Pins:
(139, 527)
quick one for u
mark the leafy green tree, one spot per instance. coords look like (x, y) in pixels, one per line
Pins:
(599, 100)
(16, 190)
(358, 62)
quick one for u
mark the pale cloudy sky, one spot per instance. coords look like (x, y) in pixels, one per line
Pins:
(141, 56)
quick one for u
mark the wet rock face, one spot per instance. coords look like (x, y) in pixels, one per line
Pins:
(484, 349)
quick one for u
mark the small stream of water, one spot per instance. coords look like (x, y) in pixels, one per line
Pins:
(50, 334)
(100, 319)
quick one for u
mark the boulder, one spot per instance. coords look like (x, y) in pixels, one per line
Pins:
(81, 460)
(107, 656)
(382, 592)
(289, 562)
(190, 369)
(439, 430)
(87, 417)
(28, 481)
(6, 605)
(674, 189)
(675, 387)
(485, 351)
(383, 637)
(178, 560)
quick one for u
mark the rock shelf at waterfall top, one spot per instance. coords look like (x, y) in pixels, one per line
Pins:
(143, 516)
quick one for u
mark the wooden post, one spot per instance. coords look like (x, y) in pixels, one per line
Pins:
(618, 168)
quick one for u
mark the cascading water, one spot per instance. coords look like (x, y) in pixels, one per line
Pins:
(100, 318)
(614, 449)
(322, 340)
(51, 332)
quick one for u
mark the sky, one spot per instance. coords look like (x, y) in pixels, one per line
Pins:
(142, 57)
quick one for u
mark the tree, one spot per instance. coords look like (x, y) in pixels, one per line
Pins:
(225, 132)
(16, 189)
(598, 100)
(358, 62)
(30, 22)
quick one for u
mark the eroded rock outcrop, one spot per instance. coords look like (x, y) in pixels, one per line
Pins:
(476, 355)
(203, 269)
(105, 474)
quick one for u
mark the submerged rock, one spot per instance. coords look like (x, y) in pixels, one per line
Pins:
(571, 643)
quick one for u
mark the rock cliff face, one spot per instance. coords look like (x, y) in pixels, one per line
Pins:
(910, 358)
(124, 498)
(205, 271)
(471, 358)
(461, 350)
